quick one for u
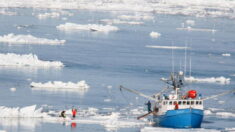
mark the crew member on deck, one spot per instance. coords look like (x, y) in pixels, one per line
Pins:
(149, 106)
(176, 105)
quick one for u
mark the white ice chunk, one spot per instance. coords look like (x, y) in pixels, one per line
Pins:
(155, 34)
(226, 54)
(89, 27)
(11, 59)
(61, 85)
(197, 29)
(48, 15)
(29, 112)
(56, 14)
(12, 89)
(207, 112)
(5, 12)
(198, 8)
(220, 80)
(190, 22)
(117, 21)
(165, 47)
(136, 17)
(225, 114)
(28, 39)
(160, 129)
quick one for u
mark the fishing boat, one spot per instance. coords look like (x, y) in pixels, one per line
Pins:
(174, 107)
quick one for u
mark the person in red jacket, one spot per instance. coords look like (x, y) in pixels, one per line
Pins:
(176, 105)
(74, 112)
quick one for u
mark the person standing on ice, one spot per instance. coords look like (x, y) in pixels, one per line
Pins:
(74, 112)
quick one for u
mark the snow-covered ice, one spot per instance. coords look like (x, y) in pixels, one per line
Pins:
(28, 39)
(198, 8)
(61, 85)
(165, 47)
(220, 80)
(55, 14)
(226, 54)
(24, 112)
(11, 59)
(136, 17)
(190, 22)
(89, 27)
(117, 21)
(160, 129)
(12, 89)
(197, 29)
(5, 12)
(48, 15)
(154, 34)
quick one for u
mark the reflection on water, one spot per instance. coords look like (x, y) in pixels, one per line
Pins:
(19, 124)
(73, 125)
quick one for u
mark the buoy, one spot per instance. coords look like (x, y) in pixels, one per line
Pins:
(192, 94)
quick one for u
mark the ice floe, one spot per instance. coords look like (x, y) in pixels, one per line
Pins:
(190, 22)
(110, 120)
(220, 113)
(220, 80)
(23, 26)
(54, 14)
(117, 21)
(5, 12)
(28, 39)
(89, 27)
(225, 114)
(197, 29)
(48, 15)
(31, 60)
(154, 34)
(61, 85)
(136, 17)
(81, 87)
(226, 54)
(165, 47)
(12, 89)
(25, 112)
(160, 129)
(198, 8)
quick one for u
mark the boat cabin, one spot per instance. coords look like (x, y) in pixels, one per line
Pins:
(174, 104)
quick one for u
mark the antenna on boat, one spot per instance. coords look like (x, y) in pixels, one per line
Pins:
(190, 66)
(172, 57)
(190, 60)
(185, 58)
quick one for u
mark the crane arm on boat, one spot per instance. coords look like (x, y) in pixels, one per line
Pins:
(139, 93)
(159, 93)
(217, 95)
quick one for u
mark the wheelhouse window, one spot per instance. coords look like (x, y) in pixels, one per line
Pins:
(184, 102)
(170, 103)
(188, 102)
(179, 102)
(192, 102)
(196, 102)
